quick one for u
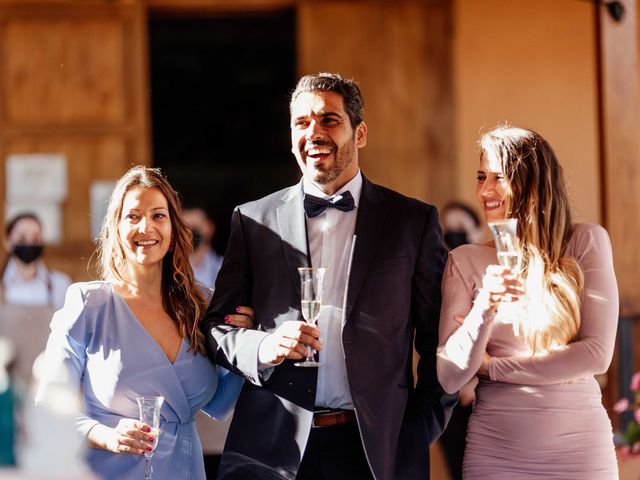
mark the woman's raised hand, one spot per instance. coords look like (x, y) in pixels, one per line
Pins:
(129, 436)
(243, 318)
(500, 284)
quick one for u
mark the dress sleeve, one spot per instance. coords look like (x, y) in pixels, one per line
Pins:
(222, 403)
(462, 346)
(65, 355)
(591, 353)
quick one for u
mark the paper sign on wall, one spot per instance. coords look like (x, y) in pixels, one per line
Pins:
(37, 183)
(41, 176)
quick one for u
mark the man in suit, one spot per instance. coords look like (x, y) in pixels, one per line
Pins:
(358, 416)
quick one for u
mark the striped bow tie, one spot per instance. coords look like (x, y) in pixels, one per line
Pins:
(314, 206)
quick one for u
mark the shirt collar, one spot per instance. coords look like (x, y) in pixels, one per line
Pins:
(354, 186)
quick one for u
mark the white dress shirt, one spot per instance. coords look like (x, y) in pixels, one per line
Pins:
(46, 288)
(330, 237)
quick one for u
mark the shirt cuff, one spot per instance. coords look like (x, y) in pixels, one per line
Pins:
(265, 369)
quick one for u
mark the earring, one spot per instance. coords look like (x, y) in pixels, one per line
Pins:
(172, 245)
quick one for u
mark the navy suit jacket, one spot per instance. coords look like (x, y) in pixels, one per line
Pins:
(393, 299)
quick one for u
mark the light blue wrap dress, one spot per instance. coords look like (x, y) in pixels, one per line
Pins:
(100, 346)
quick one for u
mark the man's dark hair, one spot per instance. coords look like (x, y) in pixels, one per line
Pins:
(332, 82)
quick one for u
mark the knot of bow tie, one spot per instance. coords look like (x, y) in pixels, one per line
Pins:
(314, 206)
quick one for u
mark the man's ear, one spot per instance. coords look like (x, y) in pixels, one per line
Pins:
(361, 135)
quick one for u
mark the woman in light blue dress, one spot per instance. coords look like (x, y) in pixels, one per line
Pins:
(136, 334)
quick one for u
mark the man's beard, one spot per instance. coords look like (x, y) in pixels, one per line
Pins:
(342, 158)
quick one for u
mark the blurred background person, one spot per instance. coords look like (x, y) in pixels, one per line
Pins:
(29, 293)
(26, 280)
(460, 226)
(8, 400)
(204, 260)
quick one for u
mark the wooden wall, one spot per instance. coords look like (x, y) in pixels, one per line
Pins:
(620, 147)
(401, 54)
(532, 64)
(73, 81)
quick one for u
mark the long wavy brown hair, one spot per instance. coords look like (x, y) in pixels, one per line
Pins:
(538, 198)
(182, 298)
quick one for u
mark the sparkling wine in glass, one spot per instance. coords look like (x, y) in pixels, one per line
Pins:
(505, 234)
(149, 408)
(310, 302)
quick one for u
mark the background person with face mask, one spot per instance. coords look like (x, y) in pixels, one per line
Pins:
(460, 226)
(25, 278)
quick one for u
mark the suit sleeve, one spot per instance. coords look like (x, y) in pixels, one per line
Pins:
(231, 347)
(433, 403)
(592, 352)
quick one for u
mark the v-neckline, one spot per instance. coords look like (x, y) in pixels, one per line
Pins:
(139, 323)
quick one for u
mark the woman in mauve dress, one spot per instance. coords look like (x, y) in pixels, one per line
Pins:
(535, 337)
(135, 333)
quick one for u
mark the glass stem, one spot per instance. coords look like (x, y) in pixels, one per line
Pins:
(148, 469)
(310, 354)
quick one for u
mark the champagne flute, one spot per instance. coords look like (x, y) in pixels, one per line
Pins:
(149, 408)
(505, 234)
(310, 301)
(509, 253)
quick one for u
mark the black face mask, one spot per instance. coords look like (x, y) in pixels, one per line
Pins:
(196, 238)
(28, 253)
(455, 238)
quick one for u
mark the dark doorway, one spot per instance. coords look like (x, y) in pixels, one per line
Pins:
(219, 100)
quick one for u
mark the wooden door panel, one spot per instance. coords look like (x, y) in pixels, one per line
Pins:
(65, 71)
(73, 80)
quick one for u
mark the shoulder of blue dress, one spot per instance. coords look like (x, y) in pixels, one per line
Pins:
(94, 292)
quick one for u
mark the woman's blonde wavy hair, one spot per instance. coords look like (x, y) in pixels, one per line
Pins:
(538, 198)
(183, 300)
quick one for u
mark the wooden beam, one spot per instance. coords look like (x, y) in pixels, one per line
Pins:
(216, 6)
(620, 151)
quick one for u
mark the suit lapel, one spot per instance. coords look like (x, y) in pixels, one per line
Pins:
(372, 210)
(293, 232)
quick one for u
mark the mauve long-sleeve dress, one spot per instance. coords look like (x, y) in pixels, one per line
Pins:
(536, 416)
(98, 344)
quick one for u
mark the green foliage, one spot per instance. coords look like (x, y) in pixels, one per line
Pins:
(632, 433)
